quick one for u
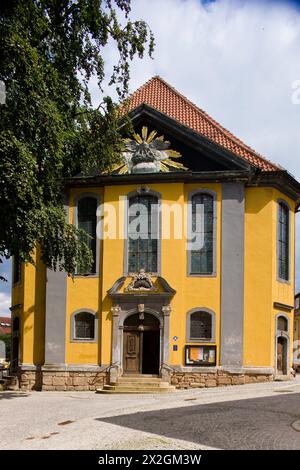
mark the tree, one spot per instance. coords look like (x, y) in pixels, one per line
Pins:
(50, 49)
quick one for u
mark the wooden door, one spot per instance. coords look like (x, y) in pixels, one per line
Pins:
(132, 352)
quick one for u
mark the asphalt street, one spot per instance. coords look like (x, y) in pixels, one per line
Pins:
(256, 416)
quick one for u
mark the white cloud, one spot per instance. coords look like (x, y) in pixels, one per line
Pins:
(238, 61)
(5, 303)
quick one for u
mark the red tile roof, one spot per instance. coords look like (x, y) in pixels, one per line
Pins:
(5, 325)
(163, 97)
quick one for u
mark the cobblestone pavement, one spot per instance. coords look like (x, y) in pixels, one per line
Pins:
(256, 416)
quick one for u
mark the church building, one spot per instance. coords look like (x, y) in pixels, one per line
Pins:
(192, 281)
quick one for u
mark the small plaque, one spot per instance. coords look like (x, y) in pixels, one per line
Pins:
(175, 347)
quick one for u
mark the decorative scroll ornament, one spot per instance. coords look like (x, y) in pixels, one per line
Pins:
(147, 153)
(141, 281)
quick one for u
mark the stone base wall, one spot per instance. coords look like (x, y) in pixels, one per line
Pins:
(83, 380)
(185, 380)
(30, 380)
(62, 380)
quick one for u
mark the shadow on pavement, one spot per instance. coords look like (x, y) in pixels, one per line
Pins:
(10, 395)
(256, 423)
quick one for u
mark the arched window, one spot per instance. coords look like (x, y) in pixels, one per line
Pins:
(201, 234)
(282, 323)
(283, 241)
(87, 221)
(200, 325)
(84, 326)
(143, 233)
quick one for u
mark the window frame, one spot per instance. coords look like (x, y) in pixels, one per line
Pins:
(278, 316)
(213, 326)
(77, 198)
(73, 338)
(282, 202)
(143, 191)
(191, 194)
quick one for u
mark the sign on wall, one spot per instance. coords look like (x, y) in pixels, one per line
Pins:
(200, 355)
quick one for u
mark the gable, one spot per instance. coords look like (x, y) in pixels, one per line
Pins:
(198, 153)
(160, 96)
(209, 152)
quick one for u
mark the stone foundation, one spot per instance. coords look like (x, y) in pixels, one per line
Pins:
(76, 379)
(220, 378)
(30, 379)
(69, 380)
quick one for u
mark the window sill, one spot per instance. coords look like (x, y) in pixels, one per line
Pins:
(201, 340)
(137, 272)
(85, 276)
(284, 281)
(202, 275)
(82, 340)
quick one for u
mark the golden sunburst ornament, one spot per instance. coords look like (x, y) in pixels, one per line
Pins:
(146, 153)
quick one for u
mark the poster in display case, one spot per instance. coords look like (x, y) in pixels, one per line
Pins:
(200, 355)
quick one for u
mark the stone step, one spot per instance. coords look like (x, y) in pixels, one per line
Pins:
(110, 389)
(139, 378)
(137, 374)
(131, 392)
(140, 384)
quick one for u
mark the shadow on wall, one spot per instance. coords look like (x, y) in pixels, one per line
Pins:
(37, 311)
(260, 423)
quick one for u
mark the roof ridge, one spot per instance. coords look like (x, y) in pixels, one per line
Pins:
(211, 120)
(139, 89)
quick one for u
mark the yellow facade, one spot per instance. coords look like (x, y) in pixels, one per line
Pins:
(219, 314)
(261, 286)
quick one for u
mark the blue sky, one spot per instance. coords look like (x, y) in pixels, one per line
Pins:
(5, 288)
(237, 60)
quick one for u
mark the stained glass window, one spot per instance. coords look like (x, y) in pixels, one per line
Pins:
(87, 221)
(283, 242)
(84, 326)
(200, 325)
(202, 229)
(143, 233)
